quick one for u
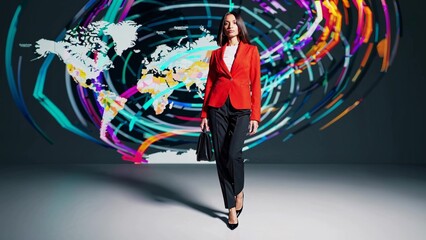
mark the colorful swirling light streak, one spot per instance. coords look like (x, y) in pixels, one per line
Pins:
(15, 89)
(310, 68)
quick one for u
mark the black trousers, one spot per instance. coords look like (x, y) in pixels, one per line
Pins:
(229, 128)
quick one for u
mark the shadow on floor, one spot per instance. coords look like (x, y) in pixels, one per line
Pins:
(149, 188)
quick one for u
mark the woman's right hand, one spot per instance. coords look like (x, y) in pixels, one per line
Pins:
(204, 124)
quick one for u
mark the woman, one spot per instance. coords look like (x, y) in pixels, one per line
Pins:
(231, 107)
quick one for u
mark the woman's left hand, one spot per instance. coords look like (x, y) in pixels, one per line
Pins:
(253, 127)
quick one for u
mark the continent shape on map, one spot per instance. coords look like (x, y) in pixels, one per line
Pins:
(85, 56)
(171, 68)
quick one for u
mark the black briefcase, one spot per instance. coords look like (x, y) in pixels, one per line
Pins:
(204, 147)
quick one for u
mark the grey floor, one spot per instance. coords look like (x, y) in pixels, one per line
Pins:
(286, 201)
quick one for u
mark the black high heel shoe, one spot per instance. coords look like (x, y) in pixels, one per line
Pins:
(239, 211)
(232, 226)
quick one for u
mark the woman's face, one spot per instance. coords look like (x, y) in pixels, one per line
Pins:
(230, 26)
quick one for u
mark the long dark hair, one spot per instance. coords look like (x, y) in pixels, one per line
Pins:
(222, 39)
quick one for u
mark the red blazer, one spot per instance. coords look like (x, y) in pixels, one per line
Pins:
(241, 84)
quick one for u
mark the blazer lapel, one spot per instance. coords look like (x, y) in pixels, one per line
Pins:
(221, 62)
(238, 57)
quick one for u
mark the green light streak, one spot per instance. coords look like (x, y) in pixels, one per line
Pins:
(112, 11)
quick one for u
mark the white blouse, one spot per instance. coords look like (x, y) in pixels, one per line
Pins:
(229, 55)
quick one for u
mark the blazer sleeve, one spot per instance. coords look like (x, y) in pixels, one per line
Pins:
(210, 78)
(255, 85)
